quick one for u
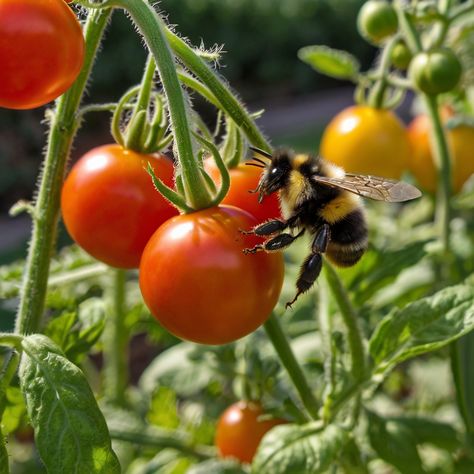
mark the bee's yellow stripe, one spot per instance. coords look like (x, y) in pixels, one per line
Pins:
(340, 207)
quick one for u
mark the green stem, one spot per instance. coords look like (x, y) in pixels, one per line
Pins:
(409, 31)
(116, 343)
(377, 94)
(11, 340)
(443, 164)
(151, 26)
(146, 85)
(199, 87)
(63, 128)
(440, 30)
(227, 100)
(134, 135)
(349, 316)
(160, 439)
(325, 328)
(280, 342)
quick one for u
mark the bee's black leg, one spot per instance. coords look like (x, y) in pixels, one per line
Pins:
(272, 226)
(321, 239)
(275, 243)
(311, 267)
(309, 272)
(267, 228)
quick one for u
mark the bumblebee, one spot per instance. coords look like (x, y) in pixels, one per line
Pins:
(318, 197)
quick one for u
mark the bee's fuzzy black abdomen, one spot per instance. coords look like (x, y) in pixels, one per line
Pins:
(349, 239)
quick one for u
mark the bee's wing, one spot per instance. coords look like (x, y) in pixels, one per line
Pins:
(373, 187)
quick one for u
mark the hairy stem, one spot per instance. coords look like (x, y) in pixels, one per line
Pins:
(116, 342)
(443, 165)
(62, 130)
(288, 359)
(349, 316)
(153, 30)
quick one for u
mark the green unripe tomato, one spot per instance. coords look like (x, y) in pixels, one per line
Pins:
(436, 71)
(377, 20)
(401, 55)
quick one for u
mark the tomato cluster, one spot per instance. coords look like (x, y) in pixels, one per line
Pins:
(194, 276)
(41, 51)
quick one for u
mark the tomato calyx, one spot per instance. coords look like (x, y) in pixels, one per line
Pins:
(145, 129)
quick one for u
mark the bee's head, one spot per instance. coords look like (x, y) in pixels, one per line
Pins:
(276, 173)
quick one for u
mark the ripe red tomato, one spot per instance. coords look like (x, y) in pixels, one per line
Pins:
(243, 179)
(198, 283)
(41, 51)
(110, 206)
(239, 430)
(365, 140)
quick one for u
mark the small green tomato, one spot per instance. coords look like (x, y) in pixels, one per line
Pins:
(377, 20)
(401, 55)
(436, 71)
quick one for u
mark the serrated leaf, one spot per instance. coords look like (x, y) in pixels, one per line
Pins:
(331, 62)
(70, 430)
(423, 326)
(299, 448)
(217, 466)
(395, 444)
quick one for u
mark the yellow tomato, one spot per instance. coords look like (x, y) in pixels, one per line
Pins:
(365, 140)
(460, 142)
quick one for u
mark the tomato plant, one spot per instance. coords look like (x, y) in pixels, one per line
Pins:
(109, 205)
(200, 286)
(422, 165)
(241, 428)
(435, 71)
(365, 140)
(243, 180)
(41, 51)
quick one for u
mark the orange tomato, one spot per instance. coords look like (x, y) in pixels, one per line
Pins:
(422, 165)
(365, 140)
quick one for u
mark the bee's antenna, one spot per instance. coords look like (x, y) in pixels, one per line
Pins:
(255, 164)
(259, 160)
(260, 152)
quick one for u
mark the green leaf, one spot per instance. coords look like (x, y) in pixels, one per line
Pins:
(217, 466)
(395, 444)
(175, 368)
(331, 62)
(426, 430)
(4, 465)
(380, 268)
(14, 412)
(163, 410)
(75, 333)
(462, 360)
(70, 430)
(299, 448)
(423, 326)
